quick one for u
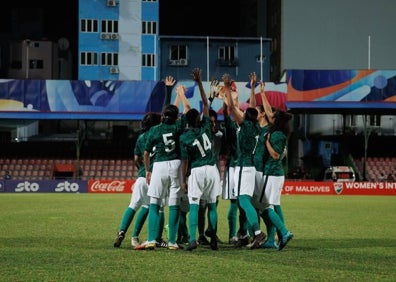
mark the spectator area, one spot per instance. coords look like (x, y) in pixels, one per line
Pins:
(377, 165)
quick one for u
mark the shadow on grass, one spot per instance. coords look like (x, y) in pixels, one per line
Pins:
(296, 244)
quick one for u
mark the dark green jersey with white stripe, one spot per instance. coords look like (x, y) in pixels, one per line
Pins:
(196, 145)
(230, 141)
(247, 138)
(260, 157)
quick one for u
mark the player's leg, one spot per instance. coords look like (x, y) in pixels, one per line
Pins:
(139, 222)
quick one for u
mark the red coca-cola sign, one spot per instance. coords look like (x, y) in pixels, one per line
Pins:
(110, 186)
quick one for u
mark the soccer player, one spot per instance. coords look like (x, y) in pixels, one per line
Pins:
(228, 189)
(276, 144)
(244, 176)
(265, 114)
(139, 196)
(204, 179)
(216, 148)
(164, 179)
(183, 233)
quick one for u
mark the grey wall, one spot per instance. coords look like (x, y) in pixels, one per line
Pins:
(333, 34)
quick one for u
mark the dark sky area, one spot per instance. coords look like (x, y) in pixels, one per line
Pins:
(179, 17)
(54, 19)
(60, 18)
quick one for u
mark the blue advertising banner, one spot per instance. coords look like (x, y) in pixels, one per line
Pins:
(45, 186)
(105, 100)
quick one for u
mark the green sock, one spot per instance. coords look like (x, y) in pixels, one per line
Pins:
(212, 213)
(276, 220)
(174, 213)
(243, 226)
(279, 211)
(127, 219)
(161, 225)
(183, 230)
(140, 219)
(153, 222)
(251, 214)
(193, 221)
(271, 229)
(201, 217)
(232, 218)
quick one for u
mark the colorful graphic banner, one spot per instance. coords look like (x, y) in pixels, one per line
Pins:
(341, 89)
(107, 100)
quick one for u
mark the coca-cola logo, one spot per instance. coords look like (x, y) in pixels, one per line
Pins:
(113, 186)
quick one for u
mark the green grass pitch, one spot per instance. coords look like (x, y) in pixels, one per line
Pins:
(69, 237)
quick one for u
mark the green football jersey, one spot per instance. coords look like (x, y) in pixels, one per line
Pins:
(279, 142)
(164, 140)
(247, 138)
(230, 128)
(139, 151)
(196, 145)
(260, 156)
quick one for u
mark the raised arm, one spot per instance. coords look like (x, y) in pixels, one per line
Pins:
(252, 100)
(197, 77)
(181, 93)
(169, 83)
(177, 100)
(230, 103)
(266, 104)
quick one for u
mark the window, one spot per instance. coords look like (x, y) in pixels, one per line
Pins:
(149, 27)
(177, 52)
(109, 59)
(89, 25)
(148, 60)
(227, 53)
(227, 56)
(178, 55)
(110, 26)
(88, 58)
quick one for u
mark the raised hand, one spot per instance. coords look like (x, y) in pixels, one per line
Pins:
(170, 81)
(262, 84)
(180, 90)
(253, 79)
(197, 74)
(227, 80)
(214, 89)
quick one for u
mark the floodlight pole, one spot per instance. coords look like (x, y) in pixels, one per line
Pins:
(369, 53)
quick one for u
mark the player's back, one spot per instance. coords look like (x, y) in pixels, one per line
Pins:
(164, 140)
(197, 145)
